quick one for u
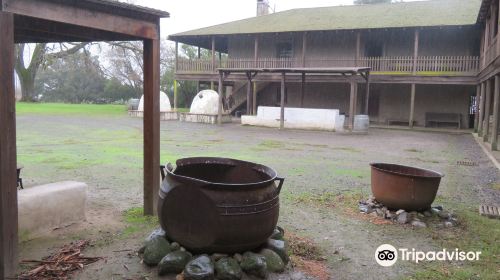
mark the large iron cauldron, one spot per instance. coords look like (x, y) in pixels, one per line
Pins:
(218, 204)
(404, 187)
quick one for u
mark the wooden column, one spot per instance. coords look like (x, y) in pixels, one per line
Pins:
(176, 93)
(249, 93)
(254, 99)
(481, 110)
(358, 48)
(415, 51)
(304, 49)
(221, 91)
(476, 105)
(352, 103)
(256, 51)
(302, 90)
(487, 111)
(496, 105)
(151, 125)
(367, 96)
(198, 82)
(8, 161)
(412, 106)
(282, 113)
(213, 54)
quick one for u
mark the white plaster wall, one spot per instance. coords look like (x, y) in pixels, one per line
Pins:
(205, 102)
(165, 105)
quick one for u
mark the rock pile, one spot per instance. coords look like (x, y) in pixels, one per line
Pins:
(436, 214)
(171, 258)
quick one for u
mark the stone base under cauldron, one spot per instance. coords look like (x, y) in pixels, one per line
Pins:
(172, 259)
(435, 216)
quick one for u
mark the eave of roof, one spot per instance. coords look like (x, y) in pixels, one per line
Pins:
(396, 15)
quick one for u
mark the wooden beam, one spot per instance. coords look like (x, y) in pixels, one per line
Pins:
(412, 105)
(151, 125)
(256, 50)
(367, 95)
(487, 111)
(415, 51)
(249, 93)
(304, 48)
(176, 94)
(352, 103)
(476, 105)
(8, 161)
(221, 87)
(282, 101)
(176, 56)
(60, 12)
(496, 105)
(481, 109)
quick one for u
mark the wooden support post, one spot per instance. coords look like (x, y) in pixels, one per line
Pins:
(213, 54)
(476, 105)
(8, 161)
(367, 96)
(304, 48)
(176, 94)
(481, 110)
(249, 93)
(256, 51)
(352, 103)
(412, 106)
(212, 85)
(176, 56)
(282, 103)
(415, 51)
(487, 111)
(254, 101)
(302, 90)
(198, 83)
(221, 91)
(358, 48)
(496, 105)
(151, 125)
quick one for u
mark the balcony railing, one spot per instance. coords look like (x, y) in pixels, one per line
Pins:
(386, 65)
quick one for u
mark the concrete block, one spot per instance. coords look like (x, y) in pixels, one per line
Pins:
(44, 208)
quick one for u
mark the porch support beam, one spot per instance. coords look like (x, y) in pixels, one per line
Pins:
(481, 110)
(176, 94)
(302, 90)
(352, 103)
(412, 106)
(151, 124)
(249, 93)
(221, 91)
(476, 105)
(198, 82)
(487, 111)
(177, 56)
(304, 49)
(496, 105)
(8, 161)
(367, 96)
(358, 48)
(415, 51)
(254, 99)
(256, 50)
(282, 112)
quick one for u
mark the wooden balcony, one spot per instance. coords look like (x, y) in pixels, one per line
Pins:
(397, 65)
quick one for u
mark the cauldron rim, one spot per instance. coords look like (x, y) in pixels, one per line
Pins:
(380, 167)
(220, 160)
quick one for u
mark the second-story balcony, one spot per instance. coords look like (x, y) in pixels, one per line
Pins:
(390, 65)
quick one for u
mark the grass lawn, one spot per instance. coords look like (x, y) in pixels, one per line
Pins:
(70, 109)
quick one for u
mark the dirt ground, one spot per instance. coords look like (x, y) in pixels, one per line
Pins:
(326, 173)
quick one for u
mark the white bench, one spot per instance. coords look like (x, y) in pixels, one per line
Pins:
(44, 208)
(295, 118)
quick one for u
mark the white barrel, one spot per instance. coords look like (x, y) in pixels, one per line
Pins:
(361, 123)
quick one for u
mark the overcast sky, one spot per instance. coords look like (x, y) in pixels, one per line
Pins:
(191, 14)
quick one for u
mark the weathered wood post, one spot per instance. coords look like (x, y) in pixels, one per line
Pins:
(358, 48)
(304, 49)
(367, 96)
(212, 84)
(249, 93)
(476, 105)
(176, 93)
(481, 110)
(352, 103)
(198, 82)
(282, 112)
(496, 105)
(151, 124)
(8, 161)
(176, 56)
(413, 86)
(254, 99)
(487, 111)
(221, 91)
(412, 105)
(302, 89)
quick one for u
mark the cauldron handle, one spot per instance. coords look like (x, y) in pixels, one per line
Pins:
(281, 179)
(162, 170)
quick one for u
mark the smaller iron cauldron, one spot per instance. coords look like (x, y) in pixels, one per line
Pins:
(219, 205)
(404, 187)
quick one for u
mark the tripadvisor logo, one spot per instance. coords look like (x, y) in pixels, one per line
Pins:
(387, 255)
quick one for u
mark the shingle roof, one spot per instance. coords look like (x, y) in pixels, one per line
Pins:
(406, 14)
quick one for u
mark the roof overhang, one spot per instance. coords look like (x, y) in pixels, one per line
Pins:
(483, 11)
